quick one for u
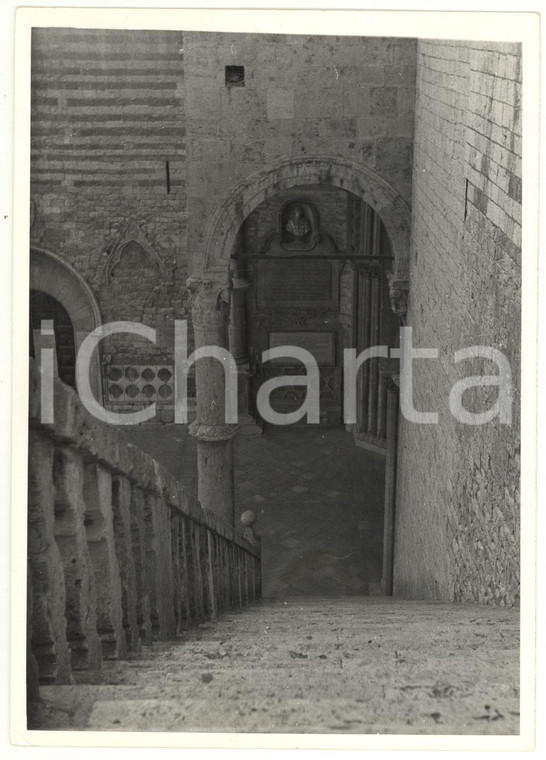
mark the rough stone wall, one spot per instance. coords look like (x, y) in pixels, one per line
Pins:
(457, 523)
(107, 118)
(347, 97)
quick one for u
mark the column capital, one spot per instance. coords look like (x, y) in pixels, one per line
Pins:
(202, 287)
(398, 291)
(240, 283)
(209, 300)
(392, 382)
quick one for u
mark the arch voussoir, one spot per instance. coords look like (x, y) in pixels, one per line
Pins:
(312, 170)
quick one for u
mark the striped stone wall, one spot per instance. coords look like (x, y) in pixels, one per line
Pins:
(108, 170)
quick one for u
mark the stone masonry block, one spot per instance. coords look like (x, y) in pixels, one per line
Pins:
(280, 103)
(383, 101)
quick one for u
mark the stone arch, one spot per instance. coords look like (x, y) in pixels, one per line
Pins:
(51, 274)
(312, 170)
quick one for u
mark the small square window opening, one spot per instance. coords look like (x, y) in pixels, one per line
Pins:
(235, 76)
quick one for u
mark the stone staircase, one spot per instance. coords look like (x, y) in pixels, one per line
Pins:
(354, 665)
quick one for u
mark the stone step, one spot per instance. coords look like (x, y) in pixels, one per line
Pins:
(262, 682)
(396, 712)
(347, 665)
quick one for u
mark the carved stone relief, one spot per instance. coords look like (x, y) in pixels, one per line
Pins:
(298, 226)
(398, 292)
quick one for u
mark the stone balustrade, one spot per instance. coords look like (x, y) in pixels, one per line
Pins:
(119, 554)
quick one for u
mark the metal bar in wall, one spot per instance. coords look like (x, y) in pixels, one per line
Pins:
(308, 256)
(364, 323)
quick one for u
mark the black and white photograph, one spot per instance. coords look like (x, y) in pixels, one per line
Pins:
(281, 377)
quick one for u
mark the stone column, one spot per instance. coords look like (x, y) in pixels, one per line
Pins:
(237, 317)
(215, 489)
(363, 341)
(375, 303)
(238, 345)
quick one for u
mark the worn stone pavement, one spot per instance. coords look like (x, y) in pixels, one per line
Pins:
(354, 665)
(318, 500)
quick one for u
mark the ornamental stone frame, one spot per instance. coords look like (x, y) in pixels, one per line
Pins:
(210, 281)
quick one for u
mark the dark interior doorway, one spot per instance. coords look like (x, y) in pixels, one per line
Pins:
(45, 307)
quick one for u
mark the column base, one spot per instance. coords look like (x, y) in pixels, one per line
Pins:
(370, 442)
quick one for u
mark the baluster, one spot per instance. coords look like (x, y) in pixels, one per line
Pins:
(143, 580)
(121, 503)
(240, 577)
(178, 580)
(160, 566)
(185, 565)
(49, 642)
(199, 577)
(32, 680)
(71, 539)
(102, 550)
(211, 588)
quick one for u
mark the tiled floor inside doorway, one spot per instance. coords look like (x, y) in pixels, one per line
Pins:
(319, 502)
(318, 498)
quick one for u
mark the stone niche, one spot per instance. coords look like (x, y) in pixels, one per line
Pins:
(298, 226)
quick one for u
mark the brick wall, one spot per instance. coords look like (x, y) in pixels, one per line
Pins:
(107, 117)
(457, 526)
(343, 97)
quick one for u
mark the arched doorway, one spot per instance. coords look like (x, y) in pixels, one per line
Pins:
(313, 259)
(60, 293)
(45, 307)
(214, 277)
(324, 292)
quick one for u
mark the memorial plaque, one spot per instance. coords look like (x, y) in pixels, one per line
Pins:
(296, 282)
(319, 344)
